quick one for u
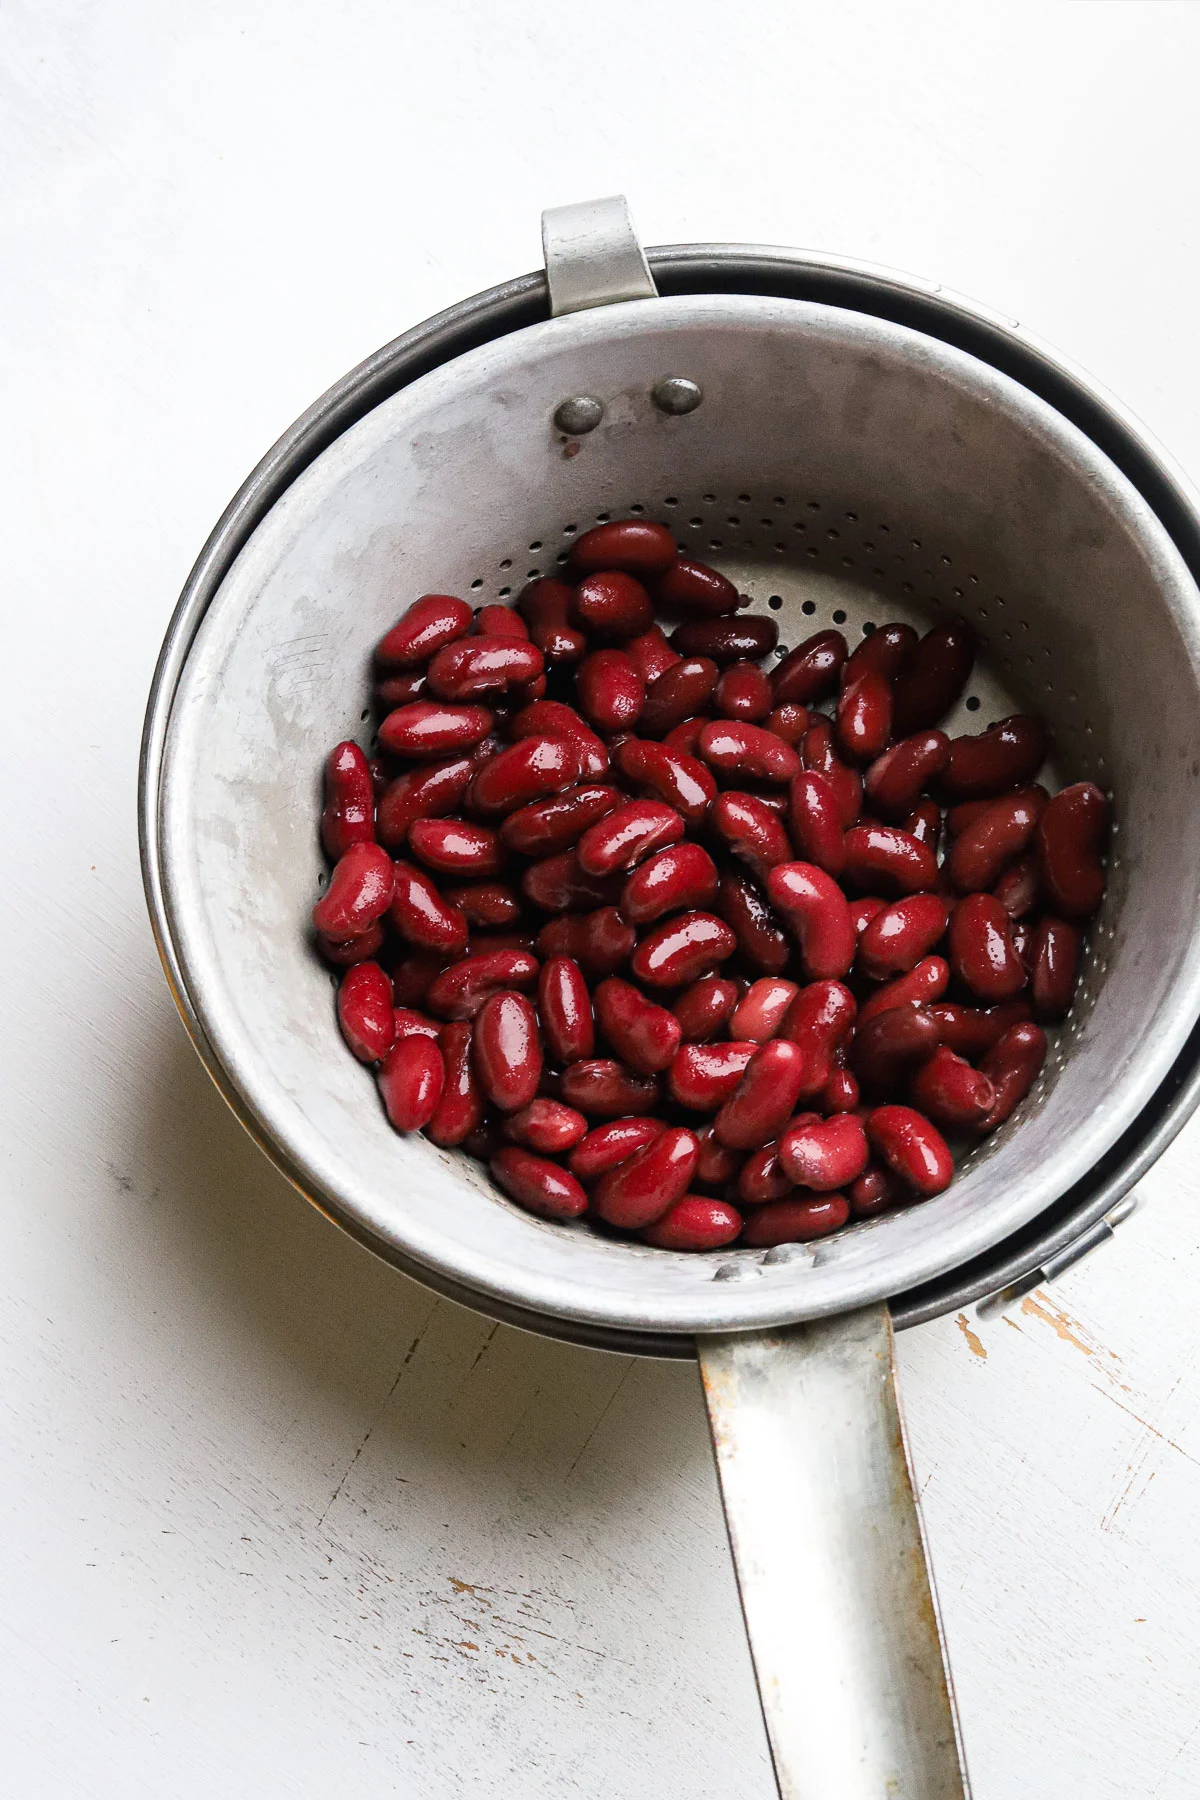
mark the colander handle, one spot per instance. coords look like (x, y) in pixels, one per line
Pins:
(594, 256)
(827, 1541)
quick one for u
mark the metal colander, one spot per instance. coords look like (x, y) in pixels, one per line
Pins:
(843, 469)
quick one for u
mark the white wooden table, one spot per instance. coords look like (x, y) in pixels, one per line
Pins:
(274, 1521)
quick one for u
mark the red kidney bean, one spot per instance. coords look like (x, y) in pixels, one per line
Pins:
(751, 831)
(748, 751)
(681, 878)
(644, 1036)
(1071, 837)
(565, 1009)
(950, 1092)
(1019, 888)
(703, 1076)
(527, 770)
(414, 975)
(481, 942)
(817, 752)
(461, 990)
(961, 817)
(1012, 1066)
(546, 607)
(684, 690)
(627, 835)
(696, 590)
(651, 655)
(537, 1184)
(347, 952)
(704, 1008)
(453, 847)
(824, 1154)
(430, 728)
(716, 1166)
(763, 1178)
(411, 1078)
(607, 1145)
(526, 693)
(426, 793)
(611, 604)
(499, 621)
(883, 856)
(557, 884)
(726, 640)
(762, 1009)
(925, 824)
(635, 546)
(359, 892)
(1006, 756)
(742, 692)
(863, 911)
(551, 718)
(364, 1008)
(911, 1147)
(599, 941)
(889, 1046)
(349, 813)
(420, 914)
(841, 1092)
(459, 1112)
(898, 937)
(391, 691)
(763, 1100)
(681, 949)
(1001, 832)
(874, 1191)
(546, 1126)
(475, 667)
(815, 907)
(981, 949)
(815, 821)
(894, 781)
(610, 691)
(381, 774)
(1054, 967)
(810, 671)
(673, 776)
(888, 651)
(429, 623)
(546, 827)
(407, 1022)
(789, 722)
(940, 668)
(820, 1019)
(922, 985)
(641, 1189)
(507, 1049)
(484, 903)
(683, 737)
(864, 716)
(695, 1223)
(971, 1031)
(795, 1221)
(604, 1089)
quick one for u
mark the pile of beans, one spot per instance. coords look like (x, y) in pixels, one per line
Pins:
(632, 921)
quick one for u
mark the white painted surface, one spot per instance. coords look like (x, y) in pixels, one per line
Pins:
(275, 1522)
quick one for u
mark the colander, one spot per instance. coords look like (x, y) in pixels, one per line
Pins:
(844, 465)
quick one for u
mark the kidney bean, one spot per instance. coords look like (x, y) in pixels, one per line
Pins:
(971, 1031)
(557, 884)
(684, 735)
(887, 651)
(795, 1221)
(459, 1112)
(644, 1036)
(635, 546)
(682, 691)
(742, 692)
(672, 776)
(420, 914)
(426, 793)
(817, 752)
(500, 621)
(349, 813)
(940, 668)
(841, 1092)
(820, 1019)
(651, 655)
(364, 1008)
(548, 826)
(611, 604)
(599, 941)
(546, 1126)
(1012, 1066)
(824, 1154)
(1054, 967)
(815, 907)
(482, 1143)
(898, 937)
(1006, 756)
(703, 1076)
(604, 1088)
(1019, 888)
(414, 975)
(565, 1009)
(681, 878)
(461, 990)
(429, 623)
(537, 1184)
(627, 835)
(1004, 828)
(429, 728)
(883, 856)
(474, 667)
(727, 640)
(911, 1147)
(864, 716)
(762, 1009)
(981, 948)
(922, 985)
(407, 1022)
(681, 949)
(950, 1092)
(345, 953)
(1070, 839)
(551, 718)
(749, 751)
(961, 817)
(610, 692)
(697, 591)
(453, 847)
(546, 607)
(894, 781)
(763, 1178)
(925, 824)
(390, 691)
(815, 821)
(810, 671)
(716, 1165)
(789, 722)
(874, 1191)
(481, 942)
(703, 1009)
(751, 831)
(764, 1098)
(484, 903)
(863, 911)
(359, 892)
(695, 1223)
(411, 1078)
(642, 1188)
(381, 774)
(507, 1050)
(889, 1046)
(607, 1145)
(527, 770)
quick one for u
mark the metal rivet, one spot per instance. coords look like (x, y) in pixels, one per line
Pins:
(733, 1271)
(786, 1253)
(578, 415)
(676, 395)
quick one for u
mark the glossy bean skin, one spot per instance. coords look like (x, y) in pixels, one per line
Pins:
(381, 774)
(912, 1148)
(1012, 1066)
(551, 718)
(565, 1010)
(726, 640)
(925, 824)
(747, 751)
(765, 1097)
(546, 1126)
(890, 1046)
(643, 1035)
(642, 1188)
(1070, 840)
(763, 1178)
(348, 816)
(421, 915)
(413, 976)
(696, 591)
(972, 1031)
(365, 1011)
(895, 780)
(459, 1111)
(683, 692)
(1007, 756)
(795, 1221)
(695, 1223)
(750, 831)
(761, 1011)
(498, 620)
(743, 691)
(635, 546)
(816, 909)
(864, 716)
(817, 751)
(716, 1166)
(525, 771)
(627, 835)
(673, 776)
(679, 879)
(981, 949)
(1054, 967)
(874, 1191)
(610, 691)
(461, 990)
(961, 817)
(824, 1154)
(411, 1078)
(345, 953)
(359, 892)
(789, 721)
(810, 671)
(430, 622)
(474, 667)
(820, 1019)
(950, 1092)
(681, 949)
(815, 821)
(841, 1092)
(603, 1088)
(537, 1184)
(557, 884)
(600, 941)
(485, 905)
(455, 847)
(922, 985)
(901, 934)
(1019, 888)
(425, 793)
(704, 1008)
(888, 650)
(650, 654)
(390, 691)
(863, 911)
(546, 607)
(607, 1145)
(979, 854)
(611, 605)
(884, 858)
(507, 1050)
(547, 827)
(703, 1076)
(939, 671)
(432, 728)
(757, 930)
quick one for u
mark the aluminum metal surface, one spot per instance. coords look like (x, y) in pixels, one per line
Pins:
(593, 256)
